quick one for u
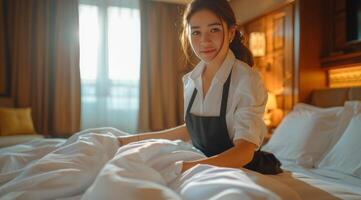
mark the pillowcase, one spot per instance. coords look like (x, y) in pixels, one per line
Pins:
(349, 109)
(305, 134)
(16, 121)
(345, 156)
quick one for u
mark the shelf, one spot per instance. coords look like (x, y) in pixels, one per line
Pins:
(341, 60)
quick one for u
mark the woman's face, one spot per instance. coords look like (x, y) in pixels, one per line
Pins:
(208, 36)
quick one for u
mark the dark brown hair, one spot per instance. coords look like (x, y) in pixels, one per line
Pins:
(223, 10)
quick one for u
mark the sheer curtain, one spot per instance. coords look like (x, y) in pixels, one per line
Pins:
(109, 32)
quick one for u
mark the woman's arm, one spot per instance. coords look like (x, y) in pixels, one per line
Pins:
(235, 157)
(179, 132)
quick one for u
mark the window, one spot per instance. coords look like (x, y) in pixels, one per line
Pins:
(110, 63)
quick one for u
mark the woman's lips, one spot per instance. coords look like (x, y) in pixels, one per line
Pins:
(208, 51)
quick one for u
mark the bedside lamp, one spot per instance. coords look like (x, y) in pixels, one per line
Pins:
(270, 106)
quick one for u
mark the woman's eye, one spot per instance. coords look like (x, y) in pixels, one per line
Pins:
(194, 33)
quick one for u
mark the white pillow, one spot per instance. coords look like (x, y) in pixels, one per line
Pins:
(305, 134)
(349, 110)
(345, 156)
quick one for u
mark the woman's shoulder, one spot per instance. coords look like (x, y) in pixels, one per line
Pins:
(245, 73)
(249, 81)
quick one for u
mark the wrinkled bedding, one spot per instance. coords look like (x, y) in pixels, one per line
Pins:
(91, 165)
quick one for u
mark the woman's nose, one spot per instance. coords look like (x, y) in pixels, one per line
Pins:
(205, 37)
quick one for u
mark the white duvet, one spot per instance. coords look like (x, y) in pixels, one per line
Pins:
(90, 165)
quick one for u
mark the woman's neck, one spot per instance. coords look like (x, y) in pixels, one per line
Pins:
(209, 73)
(212, 68)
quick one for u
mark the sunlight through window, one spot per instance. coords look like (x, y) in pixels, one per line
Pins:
(123, 43)
(109, 33)
(89, 35)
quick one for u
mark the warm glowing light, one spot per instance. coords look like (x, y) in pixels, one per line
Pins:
(257, 43)
(123, 43)
(345, 77)
(270, 106)
(271, 102)
(89, 41)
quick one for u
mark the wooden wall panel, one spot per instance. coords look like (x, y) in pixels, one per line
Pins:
(3, 81)
(3, 69)
(310, 27)
(290, 73)
(5, 73)
(277, 67)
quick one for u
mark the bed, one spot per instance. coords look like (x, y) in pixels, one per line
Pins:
(91, 165)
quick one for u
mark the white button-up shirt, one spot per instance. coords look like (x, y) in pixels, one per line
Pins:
(247, 98)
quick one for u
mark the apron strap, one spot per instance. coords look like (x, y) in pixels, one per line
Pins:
(225, 95)
(223, 108)
(192, 100)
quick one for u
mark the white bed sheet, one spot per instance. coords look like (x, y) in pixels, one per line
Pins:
(319, 184)
(6, 141)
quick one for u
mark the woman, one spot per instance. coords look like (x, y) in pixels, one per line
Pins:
(224, 96)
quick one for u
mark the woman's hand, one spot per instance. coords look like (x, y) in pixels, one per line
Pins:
(186, 166)
(123, 140)
(235, 157)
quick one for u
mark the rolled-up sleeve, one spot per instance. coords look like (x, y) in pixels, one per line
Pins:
(248, 116)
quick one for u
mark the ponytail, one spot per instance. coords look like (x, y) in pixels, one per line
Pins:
(240, 51)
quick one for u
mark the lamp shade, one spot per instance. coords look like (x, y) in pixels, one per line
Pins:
(257, 43)
(271, 102)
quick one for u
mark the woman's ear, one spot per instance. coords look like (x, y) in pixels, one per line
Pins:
(231, 33)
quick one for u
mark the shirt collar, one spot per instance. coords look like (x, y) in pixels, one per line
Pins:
(222, 73)
(197, 71)
(226, 67)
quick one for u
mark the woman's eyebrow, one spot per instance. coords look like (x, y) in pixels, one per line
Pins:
(215, 24)
(212, 24)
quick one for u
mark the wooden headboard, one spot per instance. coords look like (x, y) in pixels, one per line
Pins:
(334, 96)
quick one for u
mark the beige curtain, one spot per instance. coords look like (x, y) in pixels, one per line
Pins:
(44, 59)
(162, 67)
(66, 66)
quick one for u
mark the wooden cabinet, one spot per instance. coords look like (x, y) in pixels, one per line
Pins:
(339, 48)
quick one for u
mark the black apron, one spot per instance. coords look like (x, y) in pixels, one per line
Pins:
(209, 134)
